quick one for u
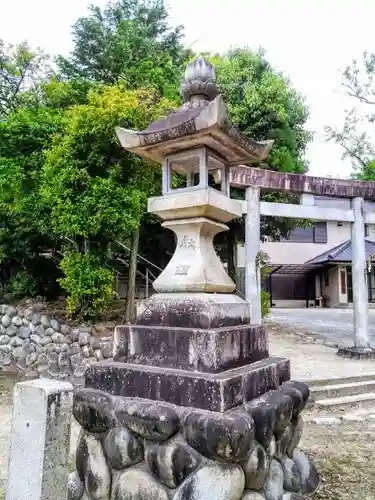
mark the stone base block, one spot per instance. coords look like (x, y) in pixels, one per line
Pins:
(210, 391)
(204, 350)
(193, 310)
(356, 353)
(137, 449)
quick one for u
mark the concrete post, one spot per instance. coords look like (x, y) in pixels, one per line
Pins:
(39, 443)
(252, 249)
(360, 297)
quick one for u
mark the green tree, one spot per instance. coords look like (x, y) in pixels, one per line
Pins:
(21, 69)
(355, 137)
(263, 105)
(96, 192)
(129, 41)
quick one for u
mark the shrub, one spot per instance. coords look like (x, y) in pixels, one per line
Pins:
(23, 285)
(87, 282)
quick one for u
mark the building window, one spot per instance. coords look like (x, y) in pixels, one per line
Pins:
(367, 232)
(339, 224)
(316, 233)
(343, 289)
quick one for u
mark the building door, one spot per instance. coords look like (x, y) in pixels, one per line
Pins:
(349, 283)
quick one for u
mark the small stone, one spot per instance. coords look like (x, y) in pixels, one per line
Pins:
(39, 330)
(45, 320)
(98, 354)
(122, 448)
(6, 348)
(6, 321)
(80, 370)
(86, 351)
(25, 322)
(227, 437)
(264, 416)
(76, 487)
(11, 331)
(292, 476)
(16, 342)
(135, 484)
(107, 349)
(24, 332)
(42, 359)
(256, 468)
(92, 468)
(18, 352)
(94, 410)
(28, 347)
(31, 358)
(273, 488)
(17, 321)
(64, 347)
(49, 331)
(64, 360)
(11, 312)
(95, 342)
(39, 348)
(35, 319)
(154, 421)
(55, 325)
(45, 341)
(253, 495)
(172, 463)
(271, 450)
(58, 338)
(309, 475)
(35, 338)
(3, 308)
(76, 360)
(65, 329)
(28, 313)
(327, 421)
(75, 348)
(74, 334)
(4, 339)
(283, 406)
(84, 338)
(217, 481)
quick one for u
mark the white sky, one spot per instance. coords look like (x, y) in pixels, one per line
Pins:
(308, 41)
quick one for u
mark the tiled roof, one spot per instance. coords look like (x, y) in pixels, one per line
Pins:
(342, 253)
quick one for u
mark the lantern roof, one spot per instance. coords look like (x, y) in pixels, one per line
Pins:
(202, 120)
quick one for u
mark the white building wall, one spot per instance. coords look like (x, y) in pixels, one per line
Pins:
(288, 252)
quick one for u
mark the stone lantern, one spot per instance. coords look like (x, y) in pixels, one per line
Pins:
(192, 407)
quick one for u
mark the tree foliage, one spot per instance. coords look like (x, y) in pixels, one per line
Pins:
(356, 137)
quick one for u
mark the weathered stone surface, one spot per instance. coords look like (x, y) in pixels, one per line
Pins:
(204, 350)
(55, 324)
(283, 406)
(303, 388)
(292, 496)
(31, 358)
(273, 488)
(24, 332)
(4, 339)
(83, 338)
(256, 468)
(45, 321)
(292, 476)
(6, 321)
(264, 416)
(134, 484)
(122, 448)
(296, 396)
(92, 468)
(171, 463)
(45, 340)
(283, 441)
(58, 338)
(296, 434)
(94, 410)
(154, 421)
(309, 475)
(11, 331)
(11, 312)
(35, 319)
(76, 487)
(49, 331)
(35, 338)
(17, 321)
(226, 437)
(16, 342)
(253, 495)
(217, 481)
(217, 392)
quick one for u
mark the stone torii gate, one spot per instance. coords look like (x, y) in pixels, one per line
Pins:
(255, 179)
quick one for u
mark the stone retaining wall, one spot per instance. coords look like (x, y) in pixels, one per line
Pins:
(39, 344)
